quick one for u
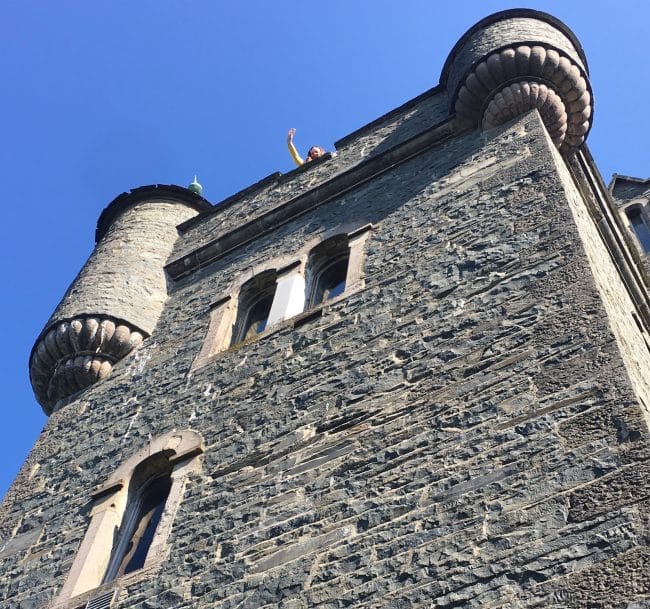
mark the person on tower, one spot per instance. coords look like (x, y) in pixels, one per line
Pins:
(313, 153)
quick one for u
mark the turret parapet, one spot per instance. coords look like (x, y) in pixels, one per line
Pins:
(152, 193)
(517, 60)
(77, 353)
(117, 298)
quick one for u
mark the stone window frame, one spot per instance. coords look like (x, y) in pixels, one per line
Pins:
(181, 449)
(641, 205)
(257, 289)
(322, 258)
(291, 293)
(150, 490)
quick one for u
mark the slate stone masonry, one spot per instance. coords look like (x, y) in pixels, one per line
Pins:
(466, 430)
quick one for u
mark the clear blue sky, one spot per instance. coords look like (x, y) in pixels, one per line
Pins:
(103, 96)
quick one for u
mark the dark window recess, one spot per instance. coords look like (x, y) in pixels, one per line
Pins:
(255, 300)
(327, 270)
(640, 228)
(139, 523)
(256, 317)
(146, 523)
(330, 283)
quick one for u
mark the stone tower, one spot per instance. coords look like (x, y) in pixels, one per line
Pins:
(413, 373)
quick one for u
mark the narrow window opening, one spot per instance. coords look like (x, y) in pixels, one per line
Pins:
(257, 317)
(255, 301)
(331, 281)
(328, 270)
(148, 495)
(640, 228)
(146, 523)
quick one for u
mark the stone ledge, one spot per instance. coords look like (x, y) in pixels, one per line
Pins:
(335, 187)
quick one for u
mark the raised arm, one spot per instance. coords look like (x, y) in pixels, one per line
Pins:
(297, 159)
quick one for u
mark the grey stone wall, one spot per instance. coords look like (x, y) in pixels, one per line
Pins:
(124, 277)
(462, 432)
(381, 135)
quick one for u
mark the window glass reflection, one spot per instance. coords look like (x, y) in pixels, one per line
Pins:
(330, 282)
(640, 228)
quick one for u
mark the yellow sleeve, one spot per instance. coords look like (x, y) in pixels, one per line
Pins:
(297, 159)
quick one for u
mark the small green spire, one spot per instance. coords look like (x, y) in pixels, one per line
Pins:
(196, 188)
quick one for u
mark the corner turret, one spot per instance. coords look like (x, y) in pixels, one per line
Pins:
(117, 298)
(517, 60)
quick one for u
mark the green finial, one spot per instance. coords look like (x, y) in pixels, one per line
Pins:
(196, 188)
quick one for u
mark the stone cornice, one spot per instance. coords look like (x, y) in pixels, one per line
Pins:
(516, 79)
(319, 195)
(73, 354)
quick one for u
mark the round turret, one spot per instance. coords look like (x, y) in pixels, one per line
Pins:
(517, 60)
(118, 296)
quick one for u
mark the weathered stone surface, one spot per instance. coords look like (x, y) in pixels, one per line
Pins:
(468, 429)
(505, 28)
(75, 354)
(466, 454)
(20, 543)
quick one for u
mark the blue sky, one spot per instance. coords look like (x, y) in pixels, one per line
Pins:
(103, 96)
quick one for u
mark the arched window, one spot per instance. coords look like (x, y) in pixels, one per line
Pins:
(255, 301)
(327, 269)
(132, 515)
(315, 275)
(148, 492)
(639, 226)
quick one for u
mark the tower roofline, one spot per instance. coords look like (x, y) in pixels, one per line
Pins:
(617, 177)
(511, 14)
(152, 192)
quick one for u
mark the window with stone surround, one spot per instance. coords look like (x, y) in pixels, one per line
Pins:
(131, 517)
(639, 224)
(318, 274)
(148, 493)
(254, 306)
